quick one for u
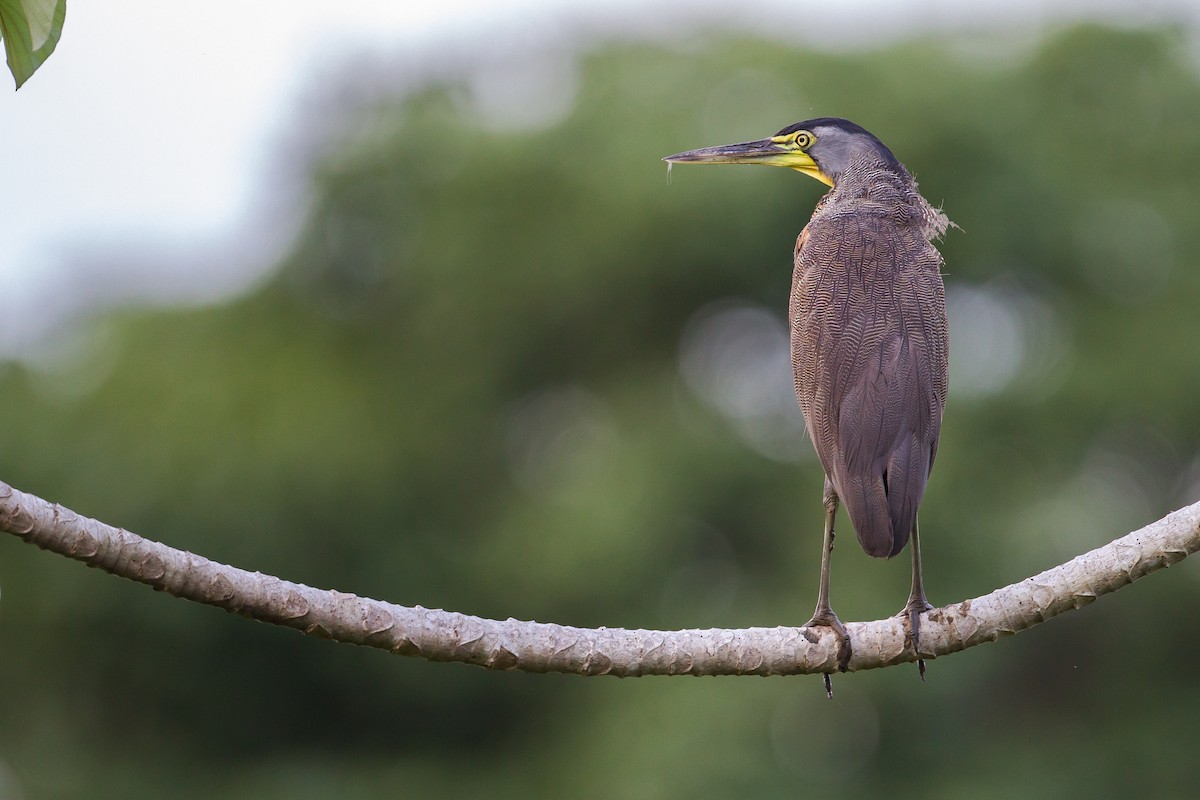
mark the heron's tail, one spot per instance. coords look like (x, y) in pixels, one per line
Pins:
(882, 503)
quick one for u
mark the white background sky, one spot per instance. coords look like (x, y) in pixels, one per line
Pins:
(143, 146)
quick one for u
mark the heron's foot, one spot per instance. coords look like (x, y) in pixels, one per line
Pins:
(911, 615)
(825, 618)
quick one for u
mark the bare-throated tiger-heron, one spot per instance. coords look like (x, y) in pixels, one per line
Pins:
(869, 339)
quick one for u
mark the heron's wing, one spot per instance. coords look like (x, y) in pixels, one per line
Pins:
(869, 350)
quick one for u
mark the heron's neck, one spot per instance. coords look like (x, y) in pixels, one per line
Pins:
(873, 178)
(877, 182)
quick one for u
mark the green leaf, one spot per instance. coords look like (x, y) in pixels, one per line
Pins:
(31, 29)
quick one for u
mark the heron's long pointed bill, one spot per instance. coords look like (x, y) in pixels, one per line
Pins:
(771, 152)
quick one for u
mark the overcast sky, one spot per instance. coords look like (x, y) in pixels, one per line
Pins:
(143, 148)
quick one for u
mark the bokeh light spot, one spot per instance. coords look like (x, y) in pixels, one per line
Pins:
(736, 357)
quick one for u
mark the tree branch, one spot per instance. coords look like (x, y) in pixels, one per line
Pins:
(540, 647)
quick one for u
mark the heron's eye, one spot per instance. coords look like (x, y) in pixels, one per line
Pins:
(804, 140)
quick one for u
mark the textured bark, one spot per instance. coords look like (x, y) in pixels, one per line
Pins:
(540, 647)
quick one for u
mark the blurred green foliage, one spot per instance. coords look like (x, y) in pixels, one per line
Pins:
(463, 388)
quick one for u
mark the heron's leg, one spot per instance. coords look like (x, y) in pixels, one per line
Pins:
(917, 604)
(824, 616)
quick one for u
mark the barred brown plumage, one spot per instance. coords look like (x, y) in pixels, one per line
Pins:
(869, 350)
(869, 336)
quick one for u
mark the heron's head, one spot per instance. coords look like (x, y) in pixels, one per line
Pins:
(822, 148)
